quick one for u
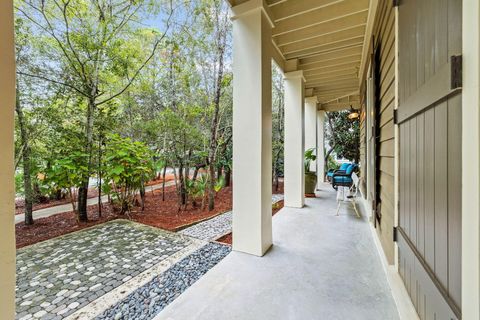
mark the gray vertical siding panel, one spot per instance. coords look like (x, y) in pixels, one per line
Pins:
(413, 180)
(441, 33)
(429, 40)
(454, 197)
(454, 27)
(420, 184)
(421, 43)
(406, 224)
(429, 180)
(441, 193)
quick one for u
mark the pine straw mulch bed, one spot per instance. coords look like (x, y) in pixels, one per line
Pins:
(227, 239)
(158, 213)
(59, 224)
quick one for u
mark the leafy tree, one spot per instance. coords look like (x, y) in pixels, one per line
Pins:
(128, 164)
(91, 70)
(343, 136)
(182, 137)
(216, 19)
(67, 173)
(278, 123)
(94, 51)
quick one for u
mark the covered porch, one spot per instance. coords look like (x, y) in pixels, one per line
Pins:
(321, 266)
(321, 47)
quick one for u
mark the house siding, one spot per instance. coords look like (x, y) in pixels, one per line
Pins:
(384, 38)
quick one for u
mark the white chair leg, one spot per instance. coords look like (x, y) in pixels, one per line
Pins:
(355, 207)
(338, 207)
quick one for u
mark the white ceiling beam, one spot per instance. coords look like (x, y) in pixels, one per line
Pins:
(333, 77)
(332, 107)
(347, 43)
(336, 37)
(332, 63)
(345, 67)
(334, 25)
(338, 83)
(291, 9)
(319, 16)
(327, 90)
(272, 3)
(322, 98)
(344, 52)
(334, 94)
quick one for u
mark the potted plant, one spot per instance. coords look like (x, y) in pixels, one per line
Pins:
(310, 177)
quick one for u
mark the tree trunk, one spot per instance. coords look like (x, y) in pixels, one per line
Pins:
(99, 176)
(196, 170)
(142, 195)
(83, 190)
(163, 182)
(228, 176)
(211, 189)
(221, 44)
(27, 178)
(182, 191)
(82, 203)
(326, 158)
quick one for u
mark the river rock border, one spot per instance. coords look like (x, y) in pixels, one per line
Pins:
(147, 301)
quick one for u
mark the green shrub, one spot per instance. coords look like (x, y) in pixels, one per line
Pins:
(128, 165)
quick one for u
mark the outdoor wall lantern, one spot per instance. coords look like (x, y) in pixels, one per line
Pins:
(353, 114)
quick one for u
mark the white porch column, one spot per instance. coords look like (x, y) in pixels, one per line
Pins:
(320, 146)
(7, 189)
(311, 127)
(294, 182)
(252, 128)
(471, 161)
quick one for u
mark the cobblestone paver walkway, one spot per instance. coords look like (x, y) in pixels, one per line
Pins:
(217, 227)
(55, 278)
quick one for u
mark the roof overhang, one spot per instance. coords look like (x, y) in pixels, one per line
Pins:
(328, 40)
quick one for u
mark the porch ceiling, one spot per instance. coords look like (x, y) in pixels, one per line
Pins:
(325, 39)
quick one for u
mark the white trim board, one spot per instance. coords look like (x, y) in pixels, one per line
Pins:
(404, 304)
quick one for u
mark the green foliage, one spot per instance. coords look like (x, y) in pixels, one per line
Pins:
(278, 123)
(308, 158)
(219, 184)
(197, 189)
(127, 165)
(19, 189)
(332, 164)
(65, 173)
(87, 85)
(68, 171)
(343, 135)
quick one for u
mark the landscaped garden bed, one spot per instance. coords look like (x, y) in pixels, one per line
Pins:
(157, 213)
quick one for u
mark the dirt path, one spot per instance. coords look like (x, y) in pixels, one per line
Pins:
(47, 212)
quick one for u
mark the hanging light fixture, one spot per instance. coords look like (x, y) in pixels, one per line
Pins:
(353, 114)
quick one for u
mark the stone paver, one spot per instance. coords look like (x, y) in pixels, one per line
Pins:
(217, 227)
(211, 229)
(59, 276)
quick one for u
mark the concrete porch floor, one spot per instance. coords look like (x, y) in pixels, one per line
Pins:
(321, 266)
